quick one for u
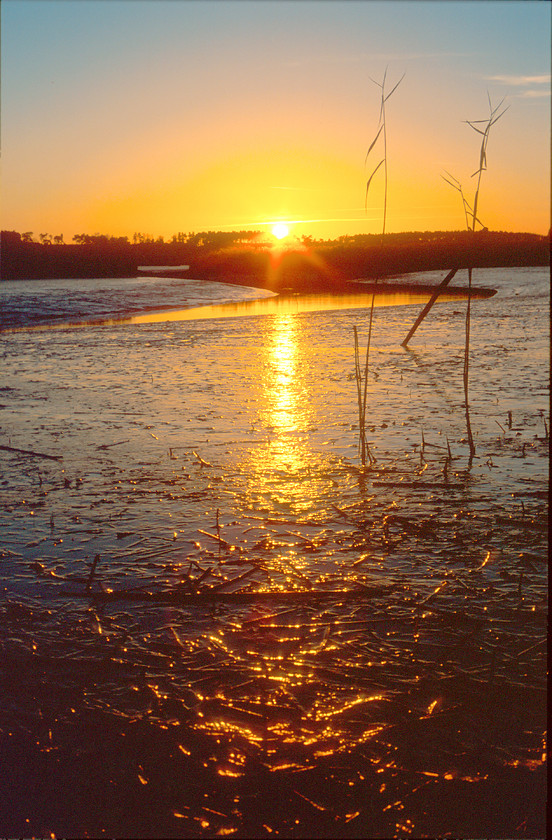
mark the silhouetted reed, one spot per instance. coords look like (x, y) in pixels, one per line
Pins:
(382, 130)
(364, 449)
(483, 128)
(362, 393)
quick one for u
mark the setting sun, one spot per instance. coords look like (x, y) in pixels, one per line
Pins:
(280, 231)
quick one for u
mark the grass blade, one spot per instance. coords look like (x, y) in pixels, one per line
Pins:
(373, 143)
(474, 127)
(395, 88)
(450, 183)
(370, 180)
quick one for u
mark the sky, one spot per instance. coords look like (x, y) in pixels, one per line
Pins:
(167, 116)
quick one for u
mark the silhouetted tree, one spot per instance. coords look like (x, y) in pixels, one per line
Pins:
(10, 238)
(179, 238)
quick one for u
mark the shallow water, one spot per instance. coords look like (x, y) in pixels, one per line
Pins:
(173, 434)
(27, 303)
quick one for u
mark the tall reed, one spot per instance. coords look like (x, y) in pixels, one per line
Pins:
(482, 127)
(364, 449)
(362, 393)
(382, 130)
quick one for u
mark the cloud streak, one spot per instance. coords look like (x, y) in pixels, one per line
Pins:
(533, 94)
(537, 87)
(520, 80)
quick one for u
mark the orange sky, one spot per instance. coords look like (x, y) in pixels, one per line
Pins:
(162, 117)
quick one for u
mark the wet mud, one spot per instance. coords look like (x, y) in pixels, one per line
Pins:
(215, 622)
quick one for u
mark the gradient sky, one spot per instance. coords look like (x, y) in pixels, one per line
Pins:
(162, 116)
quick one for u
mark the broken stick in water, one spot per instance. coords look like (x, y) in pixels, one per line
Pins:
(31, 452)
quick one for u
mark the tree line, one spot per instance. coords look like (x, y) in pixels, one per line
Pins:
(220, 255)
(209, 238)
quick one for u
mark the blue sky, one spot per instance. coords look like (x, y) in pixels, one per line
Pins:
(166, 115)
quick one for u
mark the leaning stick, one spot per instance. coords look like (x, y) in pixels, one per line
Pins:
(439, 289)
(109, 445)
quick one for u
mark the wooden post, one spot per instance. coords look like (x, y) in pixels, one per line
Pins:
(439, 289)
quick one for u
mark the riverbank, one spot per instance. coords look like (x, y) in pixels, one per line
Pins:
(298, 284)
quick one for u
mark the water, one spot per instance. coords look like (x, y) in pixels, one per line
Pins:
(174, 431)
(26, 303)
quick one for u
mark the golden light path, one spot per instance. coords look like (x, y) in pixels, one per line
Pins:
(285, 481)
(279, 467)
(281, 305)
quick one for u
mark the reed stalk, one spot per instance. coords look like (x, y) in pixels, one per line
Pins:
(358, 379)
(365, 394)
(364, 449)
(470, 212)
(362, 393)
(382, 130)
(467, 367)
(482, 127)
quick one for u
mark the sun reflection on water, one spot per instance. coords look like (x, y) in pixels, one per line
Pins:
(283, 461)
(284, 412)
(281, 305)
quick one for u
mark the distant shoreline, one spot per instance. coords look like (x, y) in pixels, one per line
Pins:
(300, 267)
(368, 287)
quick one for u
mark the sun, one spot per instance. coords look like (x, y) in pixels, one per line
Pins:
(280, 230)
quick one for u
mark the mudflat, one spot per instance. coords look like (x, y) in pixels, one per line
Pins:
(216, 622)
